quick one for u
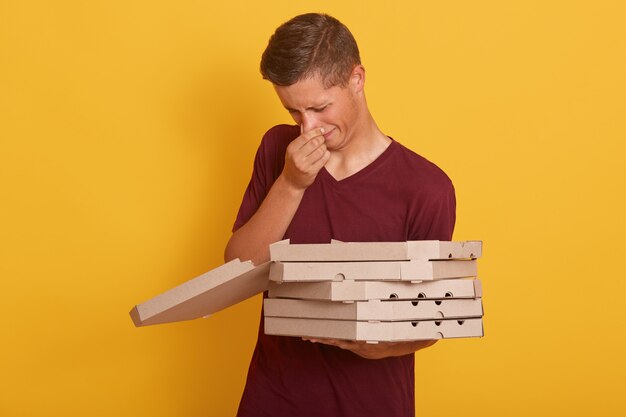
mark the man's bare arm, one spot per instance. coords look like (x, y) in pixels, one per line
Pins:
(305, 156)
(268, 225)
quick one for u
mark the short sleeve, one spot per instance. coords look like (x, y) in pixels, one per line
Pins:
(437, 214)
(268, 164)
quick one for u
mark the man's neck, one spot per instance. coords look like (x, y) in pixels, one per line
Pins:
(366, 145)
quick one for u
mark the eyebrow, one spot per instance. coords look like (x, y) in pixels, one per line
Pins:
(321, 106)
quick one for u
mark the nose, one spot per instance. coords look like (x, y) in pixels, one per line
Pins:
(308, 122)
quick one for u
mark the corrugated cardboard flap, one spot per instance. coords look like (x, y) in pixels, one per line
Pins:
(206, 294)
(337, 251)
(413, 270)
(377, 290)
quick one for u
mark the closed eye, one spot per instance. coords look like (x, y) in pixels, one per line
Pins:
(293, 112)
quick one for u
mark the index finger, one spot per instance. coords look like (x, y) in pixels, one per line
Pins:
(304, 138)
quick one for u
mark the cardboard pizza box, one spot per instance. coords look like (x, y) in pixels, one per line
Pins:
(372, 271)
(206, 294)
(375, 310)
(374, 331)
(377, 290)
(375, 251)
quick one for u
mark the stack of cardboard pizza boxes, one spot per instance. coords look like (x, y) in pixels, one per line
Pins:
(375, 292)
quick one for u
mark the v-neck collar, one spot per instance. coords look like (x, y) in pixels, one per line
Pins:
(362, 172)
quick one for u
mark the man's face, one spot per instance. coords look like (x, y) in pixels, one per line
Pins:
(336, 109)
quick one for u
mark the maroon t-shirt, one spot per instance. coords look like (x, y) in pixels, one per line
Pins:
(398, 197)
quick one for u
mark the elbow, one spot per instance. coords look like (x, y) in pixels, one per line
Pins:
(229, 253)
(423, 344)
(430, 343)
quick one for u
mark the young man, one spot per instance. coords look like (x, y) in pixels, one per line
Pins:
(334, 175)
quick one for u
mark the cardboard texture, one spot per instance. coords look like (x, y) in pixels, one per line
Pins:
(374, 331)
(368, 271)
(374, 310)
(374, 251)
(206, 294)
(391, 291)
(377, 290)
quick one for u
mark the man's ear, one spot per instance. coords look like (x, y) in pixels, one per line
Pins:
(357, 78)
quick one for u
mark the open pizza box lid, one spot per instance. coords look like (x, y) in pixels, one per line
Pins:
(204, 295)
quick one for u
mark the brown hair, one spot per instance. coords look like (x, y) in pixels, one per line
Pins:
(308, 45)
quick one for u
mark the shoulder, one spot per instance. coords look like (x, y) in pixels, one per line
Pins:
(270, 156)
(275, 141)
(430, 196)
(280, 136)
(425, 175)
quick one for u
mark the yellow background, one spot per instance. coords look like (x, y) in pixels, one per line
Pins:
(128, 130)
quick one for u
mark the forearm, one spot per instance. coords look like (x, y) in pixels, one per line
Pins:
(405, 348)
(267, 225)
(378, 350)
